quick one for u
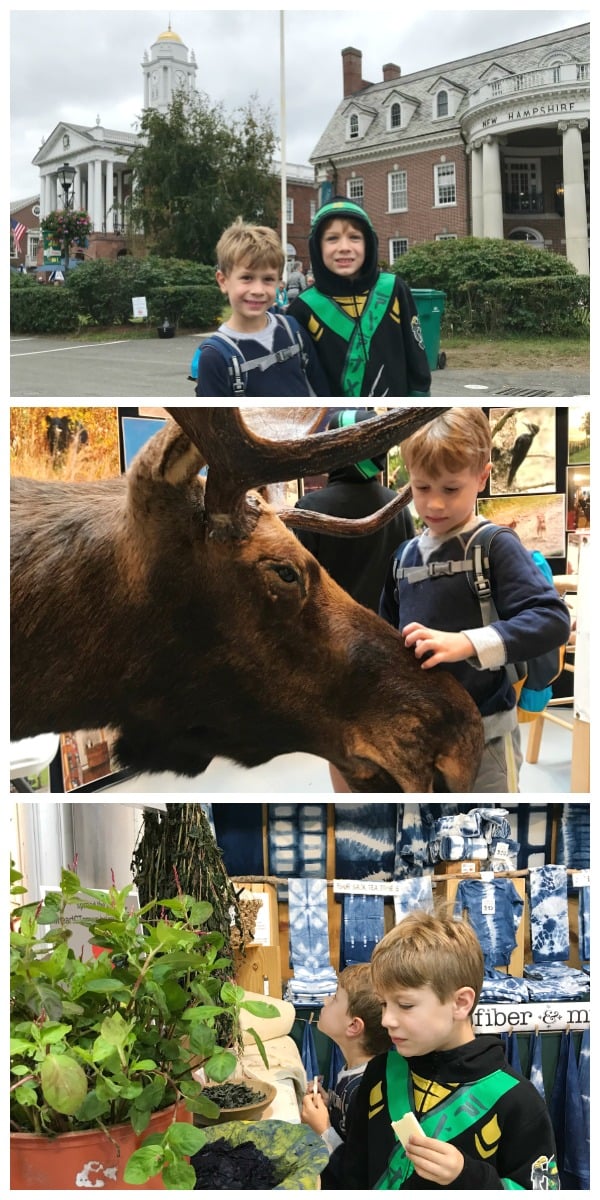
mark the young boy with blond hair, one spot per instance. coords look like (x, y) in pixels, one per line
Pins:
(352, 1019)
(483, 1126)
(256, 352)
(430, 593)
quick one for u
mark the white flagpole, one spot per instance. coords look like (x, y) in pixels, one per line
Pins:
(282, 134)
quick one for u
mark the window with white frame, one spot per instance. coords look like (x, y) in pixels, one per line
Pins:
(446, 237)
(33, 242)
(313, 210)
(289, 210)
(355, 190)
(445, 183)
(442, 104)
(397, 191)
(398, 247)
(353, 126)
(395, 116)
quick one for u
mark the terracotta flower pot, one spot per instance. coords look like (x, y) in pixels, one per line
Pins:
(88, 1159)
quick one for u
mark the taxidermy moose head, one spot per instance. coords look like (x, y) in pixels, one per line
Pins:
(183, 613)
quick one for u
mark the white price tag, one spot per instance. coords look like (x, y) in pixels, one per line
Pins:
(488, 906)
(501, 850)
(468, 868)
(580, 878)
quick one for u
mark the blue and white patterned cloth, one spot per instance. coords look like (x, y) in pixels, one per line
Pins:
(415, 893)
(555, 981)
(549, 914)
(536, 1074)
(412, 840)
(499, 988)
(365, 837)
(495, 910)
(452, 847)
(584, 924)
(362, 927)
(297, 836)
(314, 977)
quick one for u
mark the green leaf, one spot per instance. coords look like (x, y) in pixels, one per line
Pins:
(202, 1012)
(106, 987)
(143, 1164)
(184, 1138)
(64, 1083)
(260, 1047)
(220, 1066)
(26, 1095)
(260, 1008)
(232, 994)
(179, 1176)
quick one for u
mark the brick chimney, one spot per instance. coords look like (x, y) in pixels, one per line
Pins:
(390, 71)
(352, 68)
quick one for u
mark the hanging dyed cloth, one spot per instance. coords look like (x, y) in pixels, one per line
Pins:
(414, 893)
(535, 1063)
(362, 927)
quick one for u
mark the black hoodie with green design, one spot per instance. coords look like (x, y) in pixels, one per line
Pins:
(468, 1097)
(366, 330)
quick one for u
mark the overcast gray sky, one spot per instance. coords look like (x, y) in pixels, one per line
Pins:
(75, 66)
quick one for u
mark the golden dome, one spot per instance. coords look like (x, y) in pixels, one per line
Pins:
(168, 36)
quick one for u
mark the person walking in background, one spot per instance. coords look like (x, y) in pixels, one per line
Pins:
(358, 564)
(363, 321)
(296, 282)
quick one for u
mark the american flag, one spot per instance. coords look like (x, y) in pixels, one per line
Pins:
(18, 229)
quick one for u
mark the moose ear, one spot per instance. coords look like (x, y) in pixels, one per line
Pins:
(169, 457)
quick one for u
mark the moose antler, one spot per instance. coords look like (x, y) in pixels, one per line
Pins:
(240, 459)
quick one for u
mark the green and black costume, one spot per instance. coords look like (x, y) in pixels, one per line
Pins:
(469, 1097)
(366, 331)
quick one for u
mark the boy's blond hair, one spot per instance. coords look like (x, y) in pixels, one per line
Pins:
(252, 245)
(457, 440)
(362, 1002)
(429, 951)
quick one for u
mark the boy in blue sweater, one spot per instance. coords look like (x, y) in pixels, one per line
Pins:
(256, 352)
(429, 596)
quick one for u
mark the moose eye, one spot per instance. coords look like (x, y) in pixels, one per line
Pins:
(285, 572)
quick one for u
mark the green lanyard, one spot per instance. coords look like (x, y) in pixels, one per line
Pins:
(358, 332)
(463, 1108)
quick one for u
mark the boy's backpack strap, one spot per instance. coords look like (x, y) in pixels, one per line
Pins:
(233, 356)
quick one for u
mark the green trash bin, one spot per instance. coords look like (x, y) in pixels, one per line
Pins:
(430, 307)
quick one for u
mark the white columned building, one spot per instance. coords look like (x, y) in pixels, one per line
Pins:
(100, 156)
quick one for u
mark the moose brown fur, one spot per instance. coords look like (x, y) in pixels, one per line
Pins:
(130, 611)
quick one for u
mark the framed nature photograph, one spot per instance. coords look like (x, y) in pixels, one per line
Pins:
(579, 435)
(538, 520)
(578, 498)
(523, 450)
(66, 444)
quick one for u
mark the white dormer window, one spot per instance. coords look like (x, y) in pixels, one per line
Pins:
(442, 107)
(395, 116)
(353, 129)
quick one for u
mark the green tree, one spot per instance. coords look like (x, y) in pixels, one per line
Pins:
(196, 170)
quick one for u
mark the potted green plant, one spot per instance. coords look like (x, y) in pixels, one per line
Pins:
(105, 1046)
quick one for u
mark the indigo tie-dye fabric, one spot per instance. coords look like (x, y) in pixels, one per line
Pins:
(495, 910)
(499, 988)
(362, 927)
(566, 1109)
(536, 1074)
(555, 981)
(548, 913)
(365, 839)
(574, 836)
(314, 977)
(412, 894)
(584, 923)
(297, 838)
(583, 1069)
(413, 827)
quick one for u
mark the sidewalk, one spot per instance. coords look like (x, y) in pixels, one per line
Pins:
(473, 383)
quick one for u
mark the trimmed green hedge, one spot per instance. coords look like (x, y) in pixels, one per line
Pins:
(554, 304)
(42, 309)
(494, 286)
(101, 293)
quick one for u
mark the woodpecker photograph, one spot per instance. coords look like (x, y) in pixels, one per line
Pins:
(523, 450)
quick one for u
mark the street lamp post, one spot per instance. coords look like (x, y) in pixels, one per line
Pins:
(66, 176)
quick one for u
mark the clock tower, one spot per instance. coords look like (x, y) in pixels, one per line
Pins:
(169, 68)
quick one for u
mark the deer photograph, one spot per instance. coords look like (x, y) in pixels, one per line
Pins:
(183, 613)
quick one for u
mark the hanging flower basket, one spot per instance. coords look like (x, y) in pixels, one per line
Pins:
(74, 227)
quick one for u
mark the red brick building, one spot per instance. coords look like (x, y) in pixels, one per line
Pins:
(493, 145)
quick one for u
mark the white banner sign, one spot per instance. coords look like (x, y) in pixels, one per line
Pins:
(140, 308)
(524, 1018)
(369, 887)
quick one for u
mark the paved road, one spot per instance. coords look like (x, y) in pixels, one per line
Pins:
(53, 366)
